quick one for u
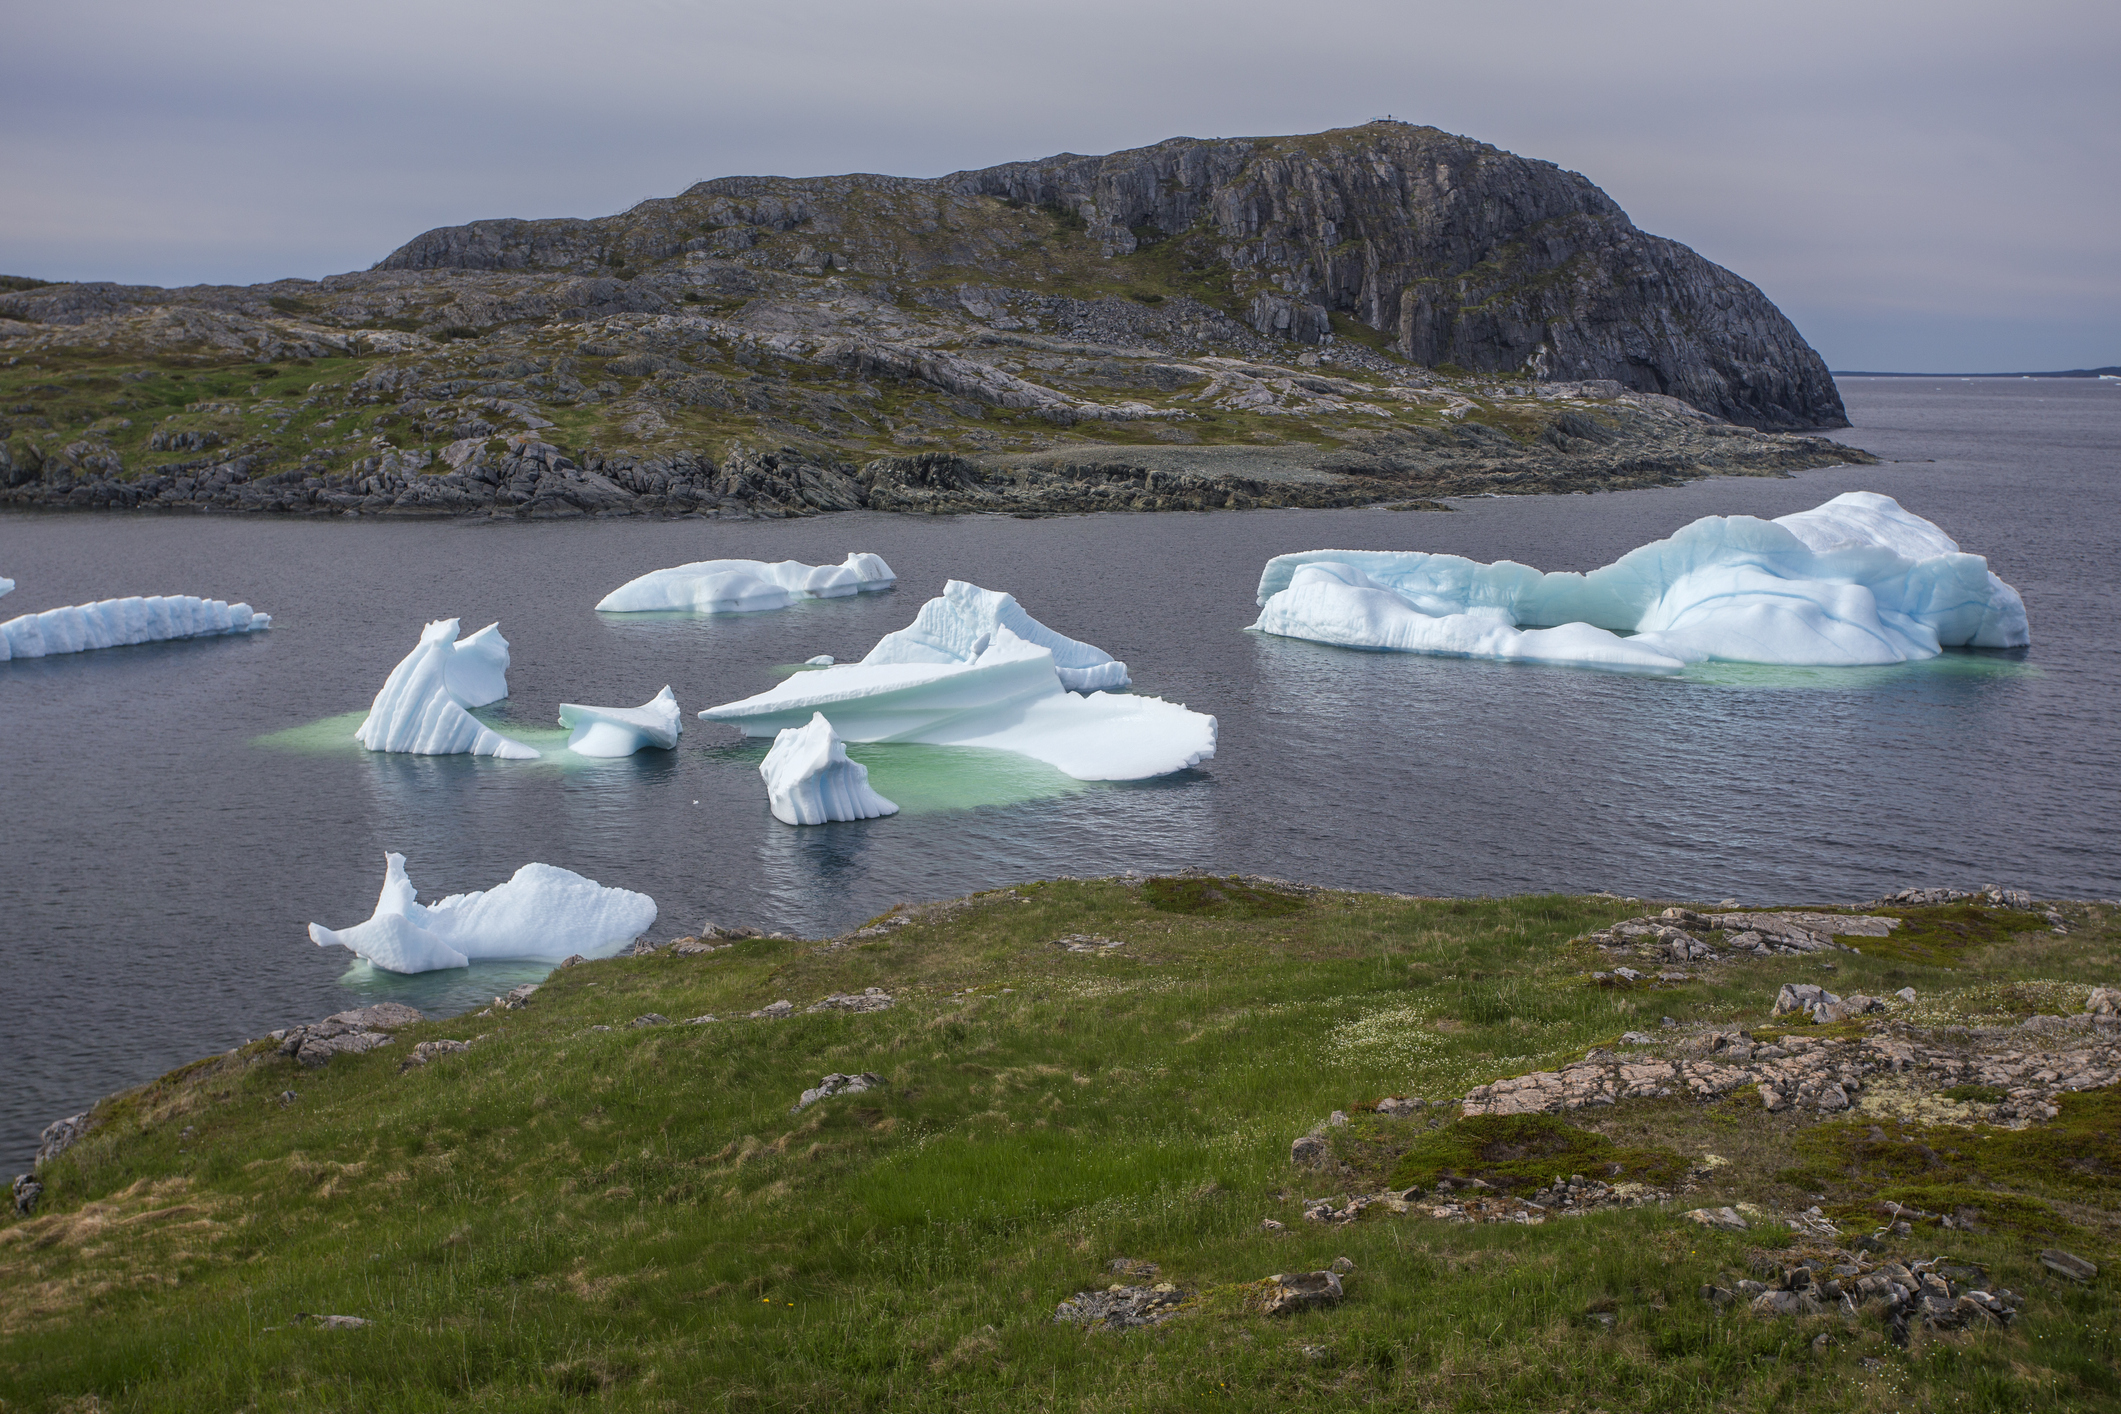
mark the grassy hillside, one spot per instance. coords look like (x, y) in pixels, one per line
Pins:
(568, 1217)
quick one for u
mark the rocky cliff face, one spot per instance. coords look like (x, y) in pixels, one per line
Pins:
(1455, 253)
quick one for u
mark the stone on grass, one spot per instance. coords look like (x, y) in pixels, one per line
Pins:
(1121, 1307)
(1726, 1219)
(1299, 1291)
(774, 1011)
(2104, 1001)
(837, 1084)
(59, 1136)
(429, 1050)
(650, 1019)
(2068, 1264)
(331, 1323)
(868, 999)
(1308, 1150)
(27, 1191)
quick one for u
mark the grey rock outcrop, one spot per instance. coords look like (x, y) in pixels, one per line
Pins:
(1458, 252)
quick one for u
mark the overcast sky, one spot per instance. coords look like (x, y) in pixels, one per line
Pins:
(1930, 185)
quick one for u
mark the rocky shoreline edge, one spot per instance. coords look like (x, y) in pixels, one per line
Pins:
(1640, 440)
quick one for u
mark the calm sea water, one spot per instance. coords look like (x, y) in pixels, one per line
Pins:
(173, 815)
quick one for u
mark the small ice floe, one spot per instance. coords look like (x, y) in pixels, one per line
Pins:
(822, 660)
(542, 914)
(1855, 581)
(746, 586)
(810, 781)
(422, 708)
(621, 731)
(114, 623)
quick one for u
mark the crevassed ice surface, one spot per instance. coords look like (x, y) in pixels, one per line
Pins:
(1008, 698)
(1856, 581)
(747, 586)
(422, 706)
(621, 731)
(809, 779)
(542, 914)
(957, 624)
(112, 623)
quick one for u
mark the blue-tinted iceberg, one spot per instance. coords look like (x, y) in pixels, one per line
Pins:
(1855, 581)
(956, 625)
(621, 731)
(112, 623)
(422, 707)
(747, 586)
(1008, 697)
(542, 914)
(809, 779)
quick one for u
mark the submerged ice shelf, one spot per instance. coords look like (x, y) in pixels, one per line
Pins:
(542, 914)
(809, 779)
(956, 625)
(422, 708)
(112, 623)
(621, 731)
(1857, 581)
(746, 586)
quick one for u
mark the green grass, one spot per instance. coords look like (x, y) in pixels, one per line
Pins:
(565, 1218)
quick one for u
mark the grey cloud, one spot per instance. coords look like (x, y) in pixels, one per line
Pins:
(1923, 186)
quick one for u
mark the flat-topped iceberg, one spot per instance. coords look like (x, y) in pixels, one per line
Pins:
(957, 624)
(113, 623)
(422, 707)
(747, 586)
(809, 779)
(1007, 697)
(542, 914)
(621, 731)
(1853, 582)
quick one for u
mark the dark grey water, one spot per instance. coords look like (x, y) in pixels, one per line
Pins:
(174, 814)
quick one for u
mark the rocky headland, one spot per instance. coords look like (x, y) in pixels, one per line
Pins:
(1381, 314)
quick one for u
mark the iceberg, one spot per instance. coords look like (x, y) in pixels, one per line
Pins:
(1856, 581)
(621, 731)
(747, 586)
(1008, 697)
(422, 707)
(955, 626)
(542, 914)
(809, 779)
(112, 623)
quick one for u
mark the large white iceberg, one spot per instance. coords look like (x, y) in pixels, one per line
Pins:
(956, 625)
(1008, 697)
(621, 731)
(809, 779)
(1855, 581)
(543, 914)
(747, 586)
(422, 707)
(110, 623)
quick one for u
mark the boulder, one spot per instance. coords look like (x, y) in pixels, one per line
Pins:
(27, 1191)
(2068, 1264)
(1301, 1291)
(1726, 1219)
(59, 1136)
(837, 1084)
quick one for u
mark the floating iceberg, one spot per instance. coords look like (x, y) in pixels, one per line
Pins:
(958, 624)
(809, 779)
(1008, 697)
(1855, 581)
(621, 731)
(747, 586)
(543, 914)
(109, 623)
(7, 586)
(421, 708)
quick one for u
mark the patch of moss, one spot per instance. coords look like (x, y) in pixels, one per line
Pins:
(1218, 898)
(1942, 937)
(1524, 1153)
(1975, 1094)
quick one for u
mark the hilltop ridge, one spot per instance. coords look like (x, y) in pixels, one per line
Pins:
(1370, 314)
